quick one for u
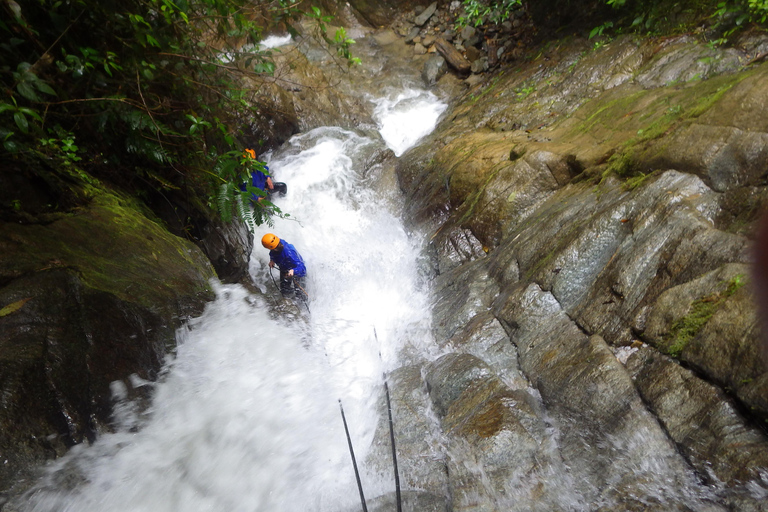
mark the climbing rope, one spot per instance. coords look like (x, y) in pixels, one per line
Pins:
(304, 298)
(273, 279)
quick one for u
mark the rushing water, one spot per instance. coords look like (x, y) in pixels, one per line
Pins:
(412, 108)
(246, 416)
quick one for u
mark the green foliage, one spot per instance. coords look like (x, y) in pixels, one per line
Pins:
(758, 10)
(524, 91)
(598, 31)
(340, 41)
(234, 196)
(65, 147)
(685, 329)
(343, 45)
(658, 16)
(733, 15)
(150, 89)
(478, 12)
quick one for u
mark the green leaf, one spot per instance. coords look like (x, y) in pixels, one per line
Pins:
(267, 68)
(10, 146)
(31, 113)
(27, 91)
(21, 122)
(13, 307)
(44, 87)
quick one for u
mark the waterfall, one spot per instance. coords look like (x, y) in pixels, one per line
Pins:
(246, 415)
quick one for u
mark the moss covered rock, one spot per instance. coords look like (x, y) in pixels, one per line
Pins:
(88, 296)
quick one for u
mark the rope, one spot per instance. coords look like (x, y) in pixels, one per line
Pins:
(273, 279)
(304, 299)
(354, 462)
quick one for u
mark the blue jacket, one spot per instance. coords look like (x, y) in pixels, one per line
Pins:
(258, 180)
(288, 259)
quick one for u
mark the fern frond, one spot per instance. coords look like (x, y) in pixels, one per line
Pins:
(224, 201)
(245, 212)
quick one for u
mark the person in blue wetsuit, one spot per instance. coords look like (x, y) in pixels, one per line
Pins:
(258, 179)
(293, 272)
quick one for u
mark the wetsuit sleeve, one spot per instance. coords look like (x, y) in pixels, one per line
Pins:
(297, 262)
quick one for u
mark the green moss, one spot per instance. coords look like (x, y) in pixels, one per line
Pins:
(651, 115)
(609, 112)
(494, 83)
(114, 248)
(686, 328)
(620, 164)
(636, 181)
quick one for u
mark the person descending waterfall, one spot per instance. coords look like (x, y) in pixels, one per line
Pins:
(262, 181)
(293, 272)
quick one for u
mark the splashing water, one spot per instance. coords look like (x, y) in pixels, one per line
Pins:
(404, 117)
(246, 417)
(275, 41)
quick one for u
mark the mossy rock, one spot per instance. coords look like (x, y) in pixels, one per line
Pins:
(90, 297)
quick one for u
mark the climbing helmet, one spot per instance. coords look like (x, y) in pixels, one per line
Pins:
(270, 241)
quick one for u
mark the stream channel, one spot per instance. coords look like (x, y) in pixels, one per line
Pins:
(246, 415)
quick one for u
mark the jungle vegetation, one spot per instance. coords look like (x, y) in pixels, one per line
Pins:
(143, 94)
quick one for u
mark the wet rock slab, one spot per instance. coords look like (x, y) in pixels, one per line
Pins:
(578, 209)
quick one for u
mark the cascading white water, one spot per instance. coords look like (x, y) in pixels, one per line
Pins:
(406, 116)
(246, 417)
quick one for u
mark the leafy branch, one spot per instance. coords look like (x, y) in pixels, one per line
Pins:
(143, 86)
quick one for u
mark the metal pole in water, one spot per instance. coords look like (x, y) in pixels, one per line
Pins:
(394, 452)
(354, 462)
(391, 434)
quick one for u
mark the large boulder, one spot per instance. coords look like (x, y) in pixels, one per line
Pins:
(88, 296)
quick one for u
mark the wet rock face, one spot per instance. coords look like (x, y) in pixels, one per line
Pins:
(86, 299)
(228, 246)
(594, 304)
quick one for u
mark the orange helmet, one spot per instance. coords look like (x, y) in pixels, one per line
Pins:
(270, 241)
(251, 153)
